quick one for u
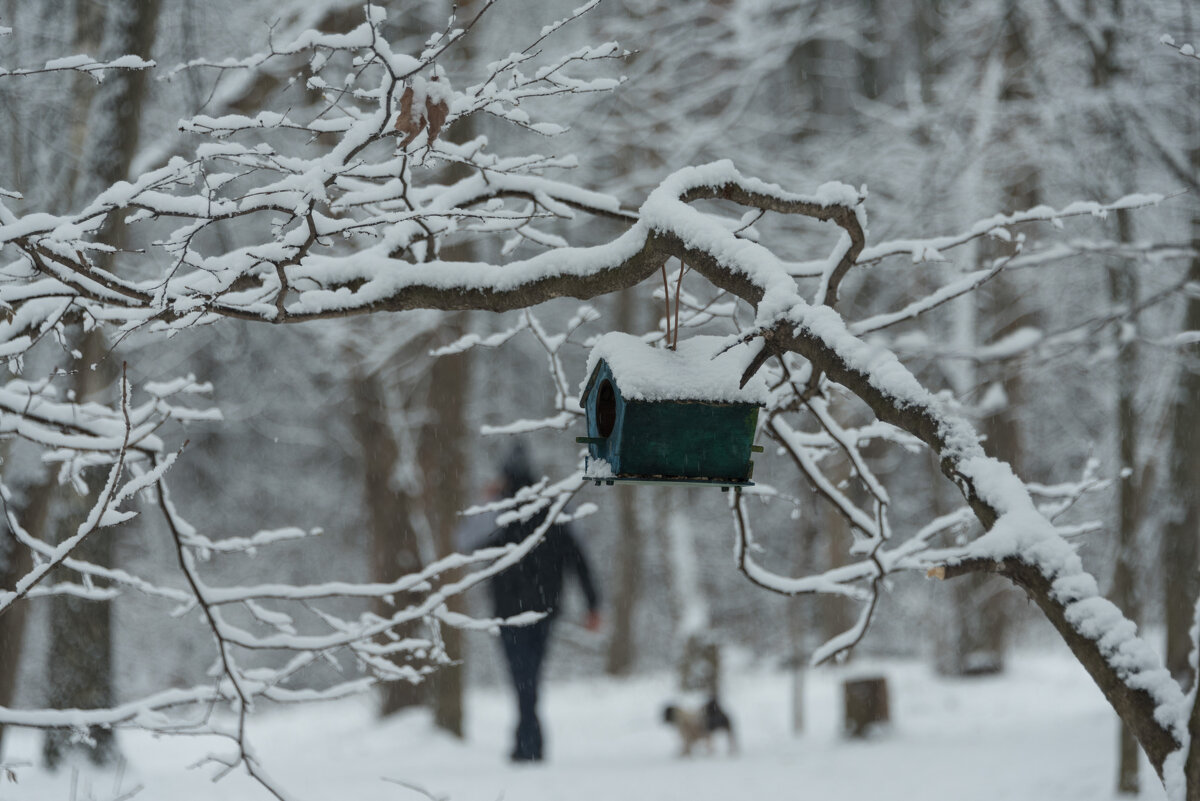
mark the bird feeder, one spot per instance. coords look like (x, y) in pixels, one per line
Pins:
(670, 416)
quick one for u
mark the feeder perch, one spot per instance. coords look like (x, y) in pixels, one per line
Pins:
(670, 416)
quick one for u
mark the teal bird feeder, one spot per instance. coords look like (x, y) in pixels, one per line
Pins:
(659, 416)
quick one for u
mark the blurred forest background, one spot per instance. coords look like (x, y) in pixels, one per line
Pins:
(946, 111)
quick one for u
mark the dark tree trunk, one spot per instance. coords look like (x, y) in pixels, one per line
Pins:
(443, 459)
(926, 31)
(835, 613)
(80, 630)
(1123, 286)
(621, 650)
(986, 610)
(699, 654)
(442, 453)
(985, 640)
(700, 665)
(628, 563)
(801, 611)
(394, 550)
(1181, 532)
(15, 561)
(1123, 293)
(80, 657)
(870, 65)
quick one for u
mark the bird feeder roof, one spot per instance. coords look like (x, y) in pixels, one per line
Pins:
(702, 368)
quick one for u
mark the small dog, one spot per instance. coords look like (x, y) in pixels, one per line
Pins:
(699, 724)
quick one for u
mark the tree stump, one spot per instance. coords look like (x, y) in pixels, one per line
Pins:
(866, 704)
(700, 667)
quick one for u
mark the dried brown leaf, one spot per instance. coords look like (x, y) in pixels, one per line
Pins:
(436, 114)
(404, 120)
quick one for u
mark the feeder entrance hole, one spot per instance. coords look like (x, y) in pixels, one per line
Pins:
(606, 408)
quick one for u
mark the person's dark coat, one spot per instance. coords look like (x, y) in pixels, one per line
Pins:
(535, 583)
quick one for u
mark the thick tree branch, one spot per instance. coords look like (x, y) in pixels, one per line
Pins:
(371, 280)
(1136, 707)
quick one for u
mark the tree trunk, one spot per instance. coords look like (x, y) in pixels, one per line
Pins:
(870, 69)
(15, 561)
(441, 450)
(621, 650)
(960, 640)
(627, 580)
(800, 613)
(80, 630)
(1123, 293)
(394, 550)
(443, 459)
(32, 510)
(926, 34)
(81, 649)
(1123, 285)
(835, 613)
(979, 634)
(1181, 533)
(699, 665)
(991, 605)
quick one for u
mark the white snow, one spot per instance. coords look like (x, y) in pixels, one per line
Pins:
(1042, 732)
(1010, 345)
(703, 368)
(598, 468)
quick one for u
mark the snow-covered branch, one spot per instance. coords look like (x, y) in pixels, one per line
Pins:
(1184, 49)
(81, 63)
(348, 211)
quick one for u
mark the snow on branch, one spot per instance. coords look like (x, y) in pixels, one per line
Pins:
(1184, 49)
(362, 225)
(106, 512)
(996, 226)
(373, 185)
(80, 63)
(291, 280)
(195, 710)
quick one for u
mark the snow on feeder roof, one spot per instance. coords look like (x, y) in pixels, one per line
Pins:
(676, 416)
(702, 368)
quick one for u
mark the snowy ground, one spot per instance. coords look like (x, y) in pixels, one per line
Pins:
(1040, 732)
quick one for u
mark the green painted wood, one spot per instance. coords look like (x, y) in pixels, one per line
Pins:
(671, 442)
(687, 440)
(606, 448)
(673, 482)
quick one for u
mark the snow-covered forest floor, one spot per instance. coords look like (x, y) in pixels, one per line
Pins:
(1040, 732)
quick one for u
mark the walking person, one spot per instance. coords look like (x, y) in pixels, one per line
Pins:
(534, 584)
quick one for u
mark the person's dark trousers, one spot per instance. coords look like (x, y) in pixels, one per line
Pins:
(525, 649)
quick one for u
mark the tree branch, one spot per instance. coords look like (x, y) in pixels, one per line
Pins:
(1135, 706)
